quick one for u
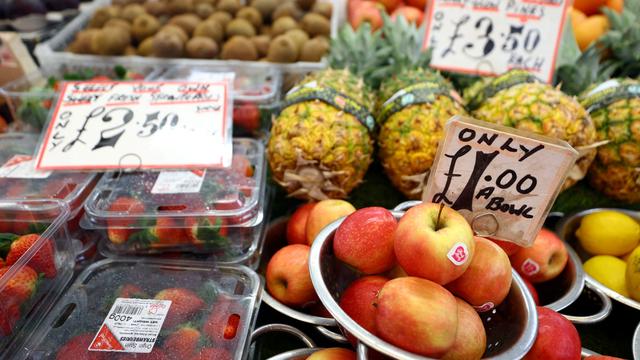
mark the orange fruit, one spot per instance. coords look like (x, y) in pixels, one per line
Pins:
(576, 17)
(589, 7)
(616, 5)
(590, 30)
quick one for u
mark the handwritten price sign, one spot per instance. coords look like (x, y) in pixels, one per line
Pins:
(489, 37)
(110, 125)
(502, 180)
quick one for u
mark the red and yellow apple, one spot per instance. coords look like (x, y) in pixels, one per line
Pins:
(366, 12)
(557, 338)
(358, 301)
(397, 272)
(324, 213)
(434, 243)
(389, 5)
(532, 290)
(542, 261)
(487, 281)
(509, 247)
(364, 240)
(288, 279)
(412, 14)
(417, 315)
(418, 4)
(471, 338)
(333, 354)
(297, 225)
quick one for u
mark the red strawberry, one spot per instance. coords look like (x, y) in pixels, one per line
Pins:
(20, 286)
(99, 78)
(182, 342)
(1, 263)
(22, 222)
(119, 230)
(206, 231)
(222, 323)
(130, 291)
(212, 354)
(43, 261)
(76, 349)
(184, 303)
(167, 233)
(16, 189)
(9, 316)
(246, 116)
(156, 354)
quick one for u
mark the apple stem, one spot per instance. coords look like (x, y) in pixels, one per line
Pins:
(438, 219)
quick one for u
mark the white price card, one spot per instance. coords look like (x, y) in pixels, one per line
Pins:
(22, 167)
(140, 125)
(502, 180)
(490, 37)
(132, 325)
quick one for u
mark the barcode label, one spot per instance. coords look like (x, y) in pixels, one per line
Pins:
(128, 310)
(178, 182)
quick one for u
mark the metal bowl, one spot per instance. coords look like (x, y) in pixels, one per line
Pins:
(511, 327)
(566, 230)
(297, 354)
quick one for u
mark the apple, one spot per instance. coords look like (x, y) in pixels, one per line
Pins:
(542, 261)
(487, 281)
(364, 240)
(333, 354)
(397, 272)
(288, 279)
(366, 11)
(434, 242)
(412, 14)
(418, 4)
(389, 5)
(557, 338)
(297, 225)
(509, 247)
(602, 357)
(358, 301)
(324, 213)
(471, 339)
(417, 315)
(532, 290)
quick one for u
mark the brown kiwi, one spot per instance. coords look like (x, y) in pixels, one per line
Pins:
(266, 7)
(187, 22)
(102, 15)
(146, 47)
(130, 51)
(175, 29)
(132, 11)
(265, 30)
(316, 24)
(240, 27)
(298, 36)
(261, 42)
(306, 4)
(250, 14)
(314, 49)
(282, 50)
(239, 48)
(82, 42)
(282, 25)
(110, 41)
(323, 8)
(203, 10)
(210, 2)
(167, 45)
(119, 23)
(223, 18)
(144, 26)
(211, 29)
(176, 7)
(288, 8)
(156, 8)
(230, 6)
(200, 47)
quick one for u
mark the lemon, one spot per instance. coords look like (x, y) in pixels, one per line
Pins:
(633, 274)
(608, 233)
(609, 271)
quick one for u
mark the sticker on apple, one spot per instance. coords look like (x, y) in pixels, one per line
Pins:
(530, 267)
(484, 307)
(458, 254)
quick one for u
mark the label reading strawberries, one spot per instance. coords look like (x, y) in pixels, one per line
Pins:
(22, 167)
(530, 267)
(178, 182)
(458, 254)
(132, 325)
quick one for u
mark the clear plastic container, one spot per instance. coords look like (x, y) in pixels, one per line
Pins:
(219, 306)
(214, 211)
(37, 264)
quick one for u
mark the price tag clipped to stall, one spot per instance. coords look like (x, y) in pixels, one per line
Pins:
(502, 180)
(140, 125)
(489, 37)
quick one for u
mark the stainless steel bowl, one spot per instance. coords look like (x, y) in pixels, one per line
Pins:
(297, 354)
(511, 327)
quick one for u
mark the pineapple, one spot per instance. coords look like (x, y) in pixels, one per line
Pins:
(615, 109)
(413, 106)
(518, 100)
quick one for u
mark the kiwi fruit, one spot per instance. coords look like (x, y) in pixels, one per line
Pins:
(130, 51)
(176, 7)
(239, 48)
(168, 45)
(266, 7)
(298, 36)
(132, 11)
(261, 42)
(240, 27)
(288, 8)
(110, 41)
(265, 30)
(230, 6)
(250, 14)
(82, 42)
(323, 8)
(223, 18)
(282, 50)
(156, 7)
(146, 47)
(144, 26)
(119, 23)
(200, 47)
(306, 4)
(314, 49)
(282, 25)
(210, 2)
(211, 29)
(203, 10)
(102, 15)
(316, 24)
(175, 29)
(187, 22)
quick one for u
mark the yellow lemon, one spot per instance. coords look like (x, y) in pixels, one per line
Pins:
(609, 271)
(608, 233)
(633, 274)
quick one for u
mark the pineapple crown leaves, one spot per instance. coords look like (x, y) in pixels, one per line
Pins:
(573, 79)
(404, 40)
(623, 40)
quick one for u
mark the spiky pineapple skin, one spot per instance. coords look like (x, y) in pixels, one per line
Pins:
(542, 109)
(616, 170)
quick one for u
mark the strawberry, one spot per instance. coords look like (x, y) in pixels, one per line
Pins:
(16, 189)
(9, 316)
(184, 303)
(76, 349)
(119, 230)
(222, 323)
(246, 116)
(43, 261)
(182, 342)
(1, 263)
(211, 354)
(99, 78)
(20, 286)
(130, 291)
(167, 233)
(241, 165)
(206, 231)
(24, 223)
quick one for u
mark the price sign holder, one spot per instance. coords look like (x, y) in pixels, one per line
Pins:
(106, 125)
(502, 180)
(490, 37)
